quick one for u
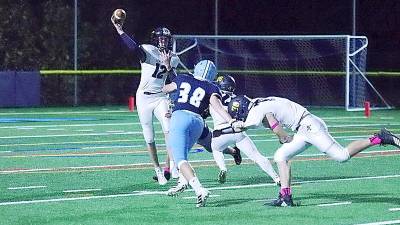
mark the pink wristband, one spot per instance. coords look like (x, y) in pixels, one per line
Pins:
(275, 125)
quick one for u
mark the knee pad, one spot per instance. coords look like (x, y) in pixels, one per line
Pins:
(279, 156)
(338, 153)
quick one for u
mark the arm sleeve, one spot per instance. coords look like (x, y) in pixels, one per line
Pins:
(170, 76)
(133, 46)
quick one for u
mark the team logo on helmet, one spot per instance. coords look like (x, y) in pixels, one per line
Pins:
(235, 106)
(239, 107)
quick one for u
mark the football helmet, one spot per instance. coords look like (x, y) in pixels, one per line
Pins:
(162, 38)
(205, 69)
(226, 83)
(239, 107)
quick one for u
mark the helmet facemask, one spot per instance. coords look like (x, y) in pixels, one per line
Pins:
(161, 37)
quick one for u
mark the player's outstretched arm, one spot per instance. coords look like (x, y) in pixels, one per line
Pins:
(168, 88)
(272, 123)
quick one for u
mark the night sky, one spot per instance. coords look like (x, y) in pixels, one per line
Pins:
(378, 20)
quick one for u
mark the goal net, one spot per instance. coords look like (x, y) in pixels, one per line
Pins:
(322, 70)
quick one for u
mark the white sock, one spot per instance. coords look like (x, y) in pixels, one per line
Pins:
(219, 159)
(195, 183)
(265, 165)
(182, 179)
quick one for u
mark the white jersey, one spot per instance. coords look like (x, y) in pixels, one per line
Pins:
(153, 73)
(218, 120)
(287, 113)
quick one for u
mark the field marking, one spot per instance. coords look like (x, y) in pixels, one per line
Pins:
(73, 125)
(55, 129)
(72, 135)
(27, 187)
(334, 204)
(82, 190)
(381, 223)
(194, 197)
(394, 209)
(66, 142)
(196, 163)
(141, 193)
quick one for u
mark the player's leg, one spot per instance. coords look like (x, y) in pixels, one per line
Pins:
(145, 106)
(282, 157)
(235, 153)
(327, 144)
(220, 144)
(205, 141)
(249, 148)
(162, 114)
(185, 129)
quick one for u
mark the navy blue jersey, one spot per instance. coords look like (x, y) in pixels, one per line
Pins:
(193, 94)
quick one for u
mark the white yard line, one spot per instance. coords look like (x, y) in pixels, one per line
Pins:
(73, 125)
(27, 187)
(382, 222)
(192, 197)
(334, 204)
(394, 209)
(141, 193)
(72, 135)
(66, 142)
(82, 190)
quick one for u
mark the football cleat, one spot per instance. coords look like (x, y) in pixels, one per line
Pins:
(282, 201)
(202, 198)
(237, 156)
(167, 175)
(176, 190)
(222, 176)
(160, 176)
(387, 138)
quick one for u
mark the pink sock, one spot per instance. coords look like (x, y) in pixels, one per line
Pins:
(375, 140)
(166, 169)
(286, 191)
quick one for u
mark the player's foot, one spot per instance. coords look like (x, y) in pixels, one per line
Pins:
(176, 190)
(222, 176)
(282, 201)
(167, 175)
(237, 156)
(387, 138)
(160, 176)
(174, 173)
(202, 198)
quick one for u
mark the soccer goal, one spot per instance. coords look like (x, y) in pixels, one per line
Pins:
(316, 70)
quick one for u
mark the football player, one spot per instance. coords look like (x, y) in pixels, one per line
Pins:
(151, 101)
(241, 141)
(279, 113)
(195, 94)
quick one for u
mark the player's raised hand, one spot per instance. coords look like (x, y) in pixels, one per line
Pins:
(118, 26)
(165, 57)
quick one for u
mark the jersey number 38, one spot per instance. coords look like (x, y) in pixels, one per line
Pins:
(195, 98)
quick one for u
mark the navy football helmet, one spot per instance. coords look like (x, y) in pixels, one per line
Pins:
(226, 83)
(162, 38)
(239, 106)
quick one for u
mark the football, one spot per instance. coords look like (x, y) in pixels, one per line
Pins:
(119, 16)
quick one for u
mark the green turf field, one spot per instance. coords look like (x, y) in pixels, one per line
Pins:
(89, 166)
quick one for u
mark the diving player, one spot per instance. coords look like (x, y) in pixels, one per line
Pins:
(276, 113)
